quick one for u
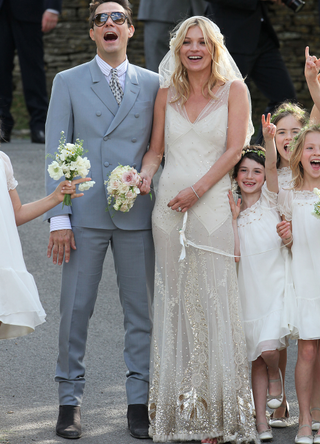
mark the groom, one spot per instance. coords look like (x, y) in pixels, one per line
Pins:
(109, 104)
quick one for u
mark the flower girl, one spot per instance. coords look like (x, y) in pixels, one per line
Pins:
(20, 307)
(261, 273)
(300, 231)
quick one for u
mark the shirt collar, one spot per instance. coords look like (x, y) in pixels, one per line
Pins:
(106, 68)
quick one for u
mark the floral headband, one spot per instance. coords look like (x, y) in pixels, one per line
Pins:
(291, 109)
(259, 152)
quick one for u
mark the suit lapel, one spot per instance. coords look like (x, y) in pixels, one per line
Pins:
(101, 88)
(131, 93)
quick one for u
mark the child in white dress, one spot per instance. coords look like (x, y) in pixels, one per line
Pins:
(261, 274)
(289, 119)
(20, 307)
(302, 229)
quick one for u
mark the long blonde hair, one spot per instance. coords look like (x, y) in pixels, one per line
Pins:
(297, 150)
(214, 42)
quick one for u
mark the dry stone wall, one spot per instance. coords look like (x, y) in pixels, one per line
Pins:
(69, 44)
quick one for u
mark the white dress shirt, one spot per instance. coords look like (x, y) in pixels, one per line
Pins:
(62, 222)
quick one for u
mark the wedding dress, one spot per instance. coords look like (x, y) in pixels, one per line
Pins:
(20, 307)
(199, 372)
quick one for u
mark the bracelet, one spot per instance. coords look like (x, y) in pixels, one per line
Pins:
(195, 192)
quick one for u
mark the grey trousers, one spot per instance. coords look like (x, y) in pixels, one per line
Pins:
(133, 254)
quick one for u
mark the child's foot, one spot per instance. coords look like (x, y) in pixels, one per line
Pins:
(315, 413)
(279, 418)
(275, 392)
(264, 431)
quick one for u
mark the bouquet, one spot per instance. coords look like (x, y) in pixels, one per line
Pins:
(122, 186)
(70, 163)
(316, 210)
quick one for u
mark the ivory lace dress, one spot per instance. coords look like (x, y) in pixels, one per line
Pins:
(20, 307)
(199, 371)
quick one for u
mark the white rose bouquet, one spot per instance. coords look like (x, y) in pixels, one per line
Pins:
(70, 163)
(122, 186)
(316, 210)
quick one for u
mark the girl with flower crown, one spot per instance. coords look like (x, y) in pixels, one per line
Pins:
(288, 118)
(261, 273)
(299, 230)
(20, 307)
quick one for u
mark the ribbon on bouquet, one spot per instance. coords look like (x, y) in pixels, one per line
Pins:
(186, 243)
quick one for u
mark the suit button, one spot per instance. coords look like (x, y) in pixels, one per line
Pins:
(98, 113)
(106, 164)
(105, 138)
(137, 115)
(133, 140)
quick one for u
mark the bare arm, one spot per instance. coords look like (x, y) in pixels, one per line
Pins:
(25, 213)
(235, 210)
(269, 131)
(311, 71)
(152, 159)
(238, 117)
(315, 115)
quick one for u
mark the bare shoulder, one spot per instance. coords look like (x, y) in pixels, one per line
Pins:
(161, 99)
(238, 87)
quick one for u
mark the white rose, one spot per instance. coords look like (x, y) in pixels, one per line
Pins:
(55, 170)
(86, 185)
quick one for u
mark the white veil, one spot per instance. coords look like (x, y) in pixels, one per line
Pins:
(226, 66)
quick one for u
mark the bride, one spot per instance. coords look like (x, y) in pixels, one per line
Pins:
(199, 387)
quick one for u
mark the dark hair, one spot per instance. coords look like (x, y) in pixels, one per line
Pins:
(124, 3)
(289, 109)
(253, 152)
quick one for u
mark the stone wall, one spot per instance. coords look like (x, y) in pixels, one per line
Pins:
(69, 44)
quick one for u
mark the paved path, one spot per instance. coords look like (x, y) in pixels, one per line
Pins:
(28, 393)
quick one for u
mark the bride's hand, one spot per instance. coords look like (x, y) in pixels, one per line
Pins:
(145, 184)
(183, 201)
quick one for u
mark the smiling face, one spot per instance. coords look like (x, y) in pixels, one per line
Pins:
(250, 177)
(111, 39)
(287, 128)
(194, 54)
(310, 158)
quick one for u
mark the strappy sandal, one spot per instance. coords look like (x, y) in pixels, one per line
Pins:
(274, 402)
(283, 420)
(266, 434)
(315, 424)
(303, 439)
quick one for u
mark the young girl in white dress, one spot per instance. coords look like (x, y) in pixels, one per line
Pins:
(302, 230)
(20, 307)
(289, 118)
(261, 273)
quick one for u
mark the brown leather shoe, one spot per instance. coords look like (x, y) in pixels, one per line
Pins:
(68, 424)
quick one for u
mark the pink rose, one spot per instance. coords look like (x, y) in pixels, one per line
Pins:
(130, 178)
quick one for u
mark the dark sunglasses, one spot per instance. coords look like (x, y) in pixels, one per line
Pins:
(117, 17)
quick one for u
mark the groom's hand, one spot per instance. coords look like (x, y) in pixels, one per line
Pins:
(60, 242)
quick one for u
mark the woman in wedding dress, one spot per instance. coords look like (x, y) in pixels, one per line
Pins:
(199, 387)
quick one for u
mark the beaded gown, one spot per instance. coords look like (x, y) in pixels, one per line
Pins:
(20, 307)
(199, 372)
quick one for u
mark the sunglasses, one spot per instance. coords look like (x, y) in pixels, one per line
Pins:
(117, 17)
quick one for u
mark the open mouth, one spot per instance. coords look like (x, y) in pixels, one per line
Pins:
(110, 36)
(194, 57)
(286, 147)
(315, 164)
(248, 184)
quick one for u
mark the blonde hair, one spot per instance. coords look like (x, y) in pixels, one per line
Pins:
(297, 150)
(214, 43)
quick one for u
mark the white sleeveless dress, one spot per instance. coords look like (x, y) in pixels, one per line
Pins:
(297, 206)
(199, 371)
(20, 307)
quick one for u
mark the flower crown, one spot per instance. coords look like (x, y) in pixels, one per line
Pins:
(260, 152)
(291, 109)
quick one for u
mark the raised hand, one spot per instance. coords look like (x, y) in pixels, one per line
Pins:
(268, 128)
(312, 66)
(235, 208)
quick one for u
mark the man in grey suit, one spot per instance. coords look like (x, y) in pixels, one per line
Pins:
(160, 17)
(86, 104)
